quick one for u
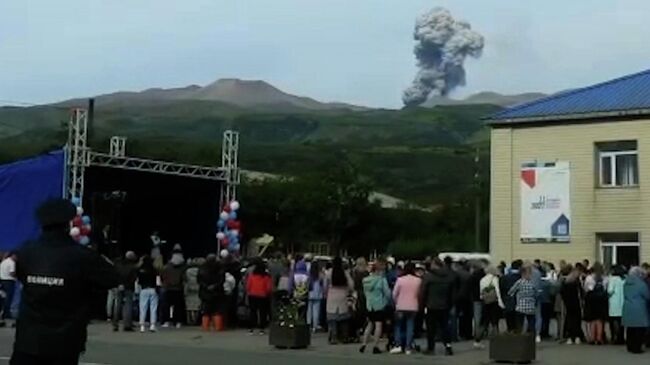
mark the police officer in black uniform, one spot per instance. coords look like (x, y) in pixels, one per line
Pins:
(58, 277)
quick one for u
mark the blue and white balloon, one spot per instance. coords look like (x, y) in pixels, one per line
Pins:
(233, 215)
(221, 236)
(234, 205)
(221, 223)
(84, 240)
(224, 216)
(76, 201)
(85, 219)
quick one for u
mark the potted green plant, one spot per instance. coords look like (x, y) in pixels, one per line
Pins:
(289, 329)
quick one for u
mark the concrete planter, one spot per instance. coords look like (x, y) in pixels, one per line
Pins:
(285, 337)
(513, 348)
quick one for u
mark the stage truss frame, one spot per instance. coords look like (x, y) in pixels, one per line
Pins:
(79, 156)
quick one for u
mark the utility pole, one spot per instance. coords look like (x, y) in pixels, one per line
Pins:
(477, 201)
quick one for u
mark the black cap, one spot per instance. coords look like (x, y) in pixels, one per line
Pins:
(56, 212)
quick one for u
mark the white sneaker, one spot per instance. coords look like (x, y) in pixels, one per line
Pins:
(408, 352)
(578, 342)
(178, 325)
(538, 339)
(569, 342)
(142, 329)
(396, 350)
(152, 328)
(479, 346)
(166, 325)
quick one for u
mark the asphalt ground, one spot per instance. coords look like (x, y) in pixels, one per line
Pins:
(191, 346)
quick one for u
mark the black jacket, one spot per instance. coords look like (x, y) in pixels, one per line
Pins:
(439, 289)
(147, 277)
(475, 284)
(128, 272)
(505, 283)
(464, 288)
(211, 279)
(58, 277)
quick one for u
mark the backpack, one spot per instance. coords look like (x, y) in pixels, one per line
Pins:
(599, 290)
(489, 294)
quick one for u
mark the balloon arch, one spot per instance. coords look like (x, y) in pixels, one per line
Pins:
(229, 228)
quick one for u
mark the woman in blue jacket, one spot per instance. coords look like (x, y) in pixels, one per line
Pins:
(615, 289)
(635, 309)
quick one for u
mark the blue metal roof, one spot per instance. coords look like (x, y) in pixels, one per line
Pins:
(628, 95)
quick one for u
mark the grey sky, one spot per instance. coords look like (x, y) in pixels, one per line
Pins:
(357, 51)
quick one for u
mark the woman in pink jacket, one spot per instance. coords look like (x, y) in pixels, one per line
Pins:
(406, 296)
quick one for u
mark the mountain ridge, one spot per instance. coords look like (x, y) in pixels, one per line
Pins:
(238, 92)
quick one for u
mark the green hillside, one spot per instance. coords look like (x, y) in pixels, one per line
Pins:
(420, 155)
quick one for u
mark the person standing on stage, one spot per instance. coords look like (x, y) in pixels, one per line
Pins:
(58, 277)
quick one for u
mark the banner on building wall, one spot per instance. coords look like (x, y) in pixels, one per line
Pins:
(545, 203)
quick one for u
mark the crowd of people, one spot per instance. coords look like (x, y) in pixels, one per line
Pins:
(194, 291)
(441, 301)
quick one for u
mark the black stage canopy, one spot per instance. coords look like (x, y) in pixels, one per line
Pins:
(183, 210)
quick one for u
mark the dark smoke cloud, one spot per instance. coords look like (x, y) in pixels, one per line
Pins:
(442, 45)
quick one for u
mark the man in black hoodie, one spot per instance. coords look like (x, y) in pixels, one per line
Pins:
(464, 305)
(438, 292)
(127, 269)
(505, 283)
(477, 273)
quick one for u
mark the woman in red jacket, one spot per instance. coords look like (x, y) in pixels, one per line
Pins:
(258, 288)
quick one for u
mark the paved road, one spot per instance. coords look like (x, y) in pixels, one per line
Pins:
(190, 346)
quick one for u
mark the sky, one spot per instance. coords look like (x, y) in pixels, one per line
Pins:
(355, 51)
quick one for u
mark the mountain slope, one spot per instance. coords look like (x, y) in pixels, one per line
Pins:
(242, 93)
(250, 94)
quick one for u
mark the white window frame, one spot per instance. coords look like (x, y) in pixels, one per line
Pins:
(612, 160)
(614, 246)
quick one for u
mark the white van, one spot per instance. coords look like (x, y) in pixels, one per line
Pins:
(465, 256)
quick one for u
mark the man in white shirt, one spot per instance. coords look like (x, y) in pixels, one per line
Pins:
(8, 282)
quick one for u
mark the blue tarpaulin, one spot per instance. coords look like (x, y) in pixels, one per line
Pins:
(24, 185)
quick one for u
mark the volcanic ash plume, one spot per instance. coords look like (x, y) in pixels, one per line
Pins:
(442, 45)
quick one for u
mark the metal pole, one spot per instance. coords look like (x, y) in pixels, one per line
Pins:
(477, 203)
(91, 118)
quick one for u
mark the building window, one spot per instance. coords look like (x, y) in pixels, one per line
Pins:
(618, 164)
(619, 248)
